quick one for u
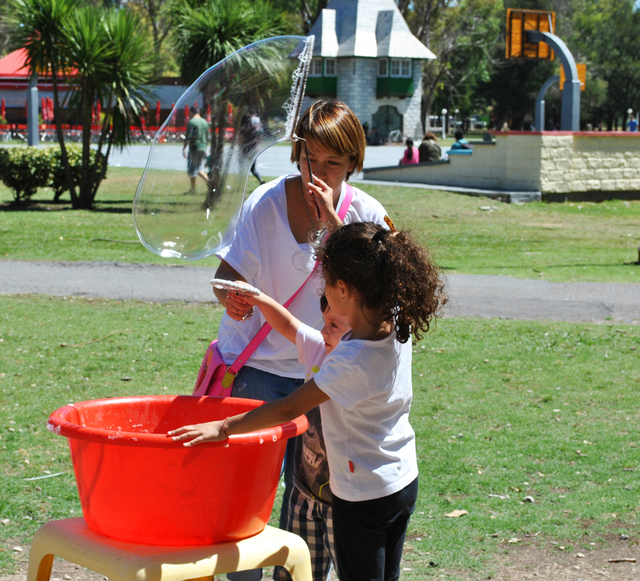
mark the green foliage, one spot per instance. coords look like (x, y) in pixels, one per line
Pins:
(205, 32)
(608, 37)
(105, 56)
(25, 169)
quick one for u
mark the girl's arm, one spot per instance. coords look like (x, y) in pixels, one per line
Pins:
(276, 315)
(303, 399)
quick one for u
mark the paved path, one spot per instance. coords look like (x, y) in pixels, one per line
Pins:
(471, 295)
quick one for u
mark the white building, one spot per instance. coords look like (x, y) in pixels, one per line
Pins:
(366, 56)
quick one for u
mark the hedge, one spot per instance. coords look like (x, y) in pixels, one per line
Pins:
(25, 169)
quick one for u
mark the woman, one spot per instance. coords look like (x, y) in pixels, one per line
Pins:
(271, 250)
(429, 149)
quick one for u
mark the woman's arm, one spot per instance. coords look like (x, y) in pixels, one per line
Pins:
(270, 414)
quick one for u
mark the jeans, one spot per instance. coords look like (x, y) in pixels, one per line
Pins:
(252, 383)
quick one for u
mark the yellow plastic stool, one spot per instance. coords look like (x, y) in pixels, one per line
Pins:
(73, 541)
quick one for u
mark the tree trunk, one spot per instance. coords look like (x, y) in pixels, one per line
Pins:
(64, 158)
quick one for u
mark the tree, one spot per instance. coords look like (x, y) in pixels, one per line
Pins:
(610, 40)
(462, 34)
(206, 32)
(111, 61)
(305, 11)
(39, 26)
(156, 14)
(104, 56)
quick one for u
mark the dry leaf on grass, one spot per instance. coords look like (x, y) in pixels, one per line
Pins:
(456, 513)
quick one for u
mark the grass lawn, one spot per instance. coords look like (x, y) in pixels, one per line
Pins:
(502, 410)
(558, 242)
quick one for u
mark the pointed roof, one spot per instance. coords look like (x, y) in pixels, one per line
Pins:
(12, 65)
(365, 28)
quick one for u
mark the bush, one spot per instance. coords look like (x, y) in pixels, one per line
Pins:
(25, 169)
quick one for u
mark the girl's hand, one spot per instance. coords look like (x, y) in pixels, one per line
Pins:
(199, 433)
(321, 196)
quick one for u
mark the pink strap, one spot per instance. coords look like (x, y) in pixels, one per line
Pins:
(264, 330)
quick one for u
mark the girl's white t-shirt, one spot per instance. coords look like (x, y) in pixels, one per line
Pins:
(370, 442)
(264, 251)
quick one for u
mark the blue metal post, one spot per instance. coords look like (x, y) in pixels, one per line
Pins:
(539, 117)
(570, 120)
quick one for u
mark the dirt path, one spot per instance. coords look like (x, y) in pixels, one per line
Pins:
(526, 561)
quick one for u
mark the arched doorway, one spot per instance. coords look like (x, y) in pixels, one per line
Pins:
(385, 121)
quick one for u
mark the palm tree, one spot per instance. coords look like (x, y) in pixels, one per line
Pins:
(112, 64)
(105, 56)
(39, 27)
(206, 32)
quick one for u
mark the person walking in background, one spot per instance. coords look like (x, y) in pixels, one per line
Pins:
(411, 154)
(633, 124)
(195, 146)
(429, 149)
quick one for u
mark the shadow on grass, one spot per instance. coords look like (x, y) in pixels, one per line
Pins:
(106, 206)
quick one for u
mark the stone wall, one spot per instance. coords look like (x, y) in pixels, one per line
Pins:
(560, 164)
(356, 86)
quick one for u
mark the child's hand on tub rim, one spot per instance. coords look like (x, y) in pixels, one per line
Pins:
(199, 433)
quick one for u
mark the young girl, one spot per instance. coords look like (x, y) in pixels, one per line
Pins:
(388, 287)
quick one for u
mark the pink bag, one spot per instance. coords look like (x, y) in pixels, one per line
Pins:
(214, 377)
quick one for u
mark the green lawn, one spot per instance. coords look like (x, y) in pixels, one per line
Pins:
(558, 242)
(502, 410)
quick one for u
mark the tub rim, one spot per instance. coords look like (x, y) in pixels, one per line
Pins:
(60, 424)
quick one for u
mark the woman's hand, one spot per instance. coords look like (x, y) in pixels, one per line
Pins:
(237, 306)
(321, 197)
(199, 433)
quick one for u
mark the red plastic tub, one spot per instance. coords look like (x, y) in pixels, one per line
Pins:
(137, 485)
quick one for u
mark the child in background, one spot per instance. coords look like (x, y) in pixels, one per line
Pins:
(411, 154)
(388, 288)
(310, 502)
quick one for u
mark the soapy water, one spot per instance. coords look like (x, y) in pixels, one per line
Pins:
(251, 101)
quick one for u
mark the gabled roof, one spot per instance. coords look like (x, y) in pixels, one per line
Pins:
(12, 66)
(365, 28)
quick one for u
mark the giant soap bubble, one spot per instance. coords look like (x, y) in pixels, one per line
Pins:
(251, 100)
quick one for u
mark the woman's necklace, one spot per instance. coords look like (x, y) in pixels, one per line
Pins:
(306, 207)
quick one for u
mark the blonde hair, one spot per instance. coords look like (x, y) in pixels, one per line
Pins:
(334, 127)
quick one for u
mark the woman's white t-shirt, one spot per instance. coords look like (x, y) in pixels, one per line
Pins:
(370, 443)
(264, 251)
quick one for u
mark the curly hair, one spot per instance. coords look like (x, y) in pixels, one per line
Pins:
(392, 273)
